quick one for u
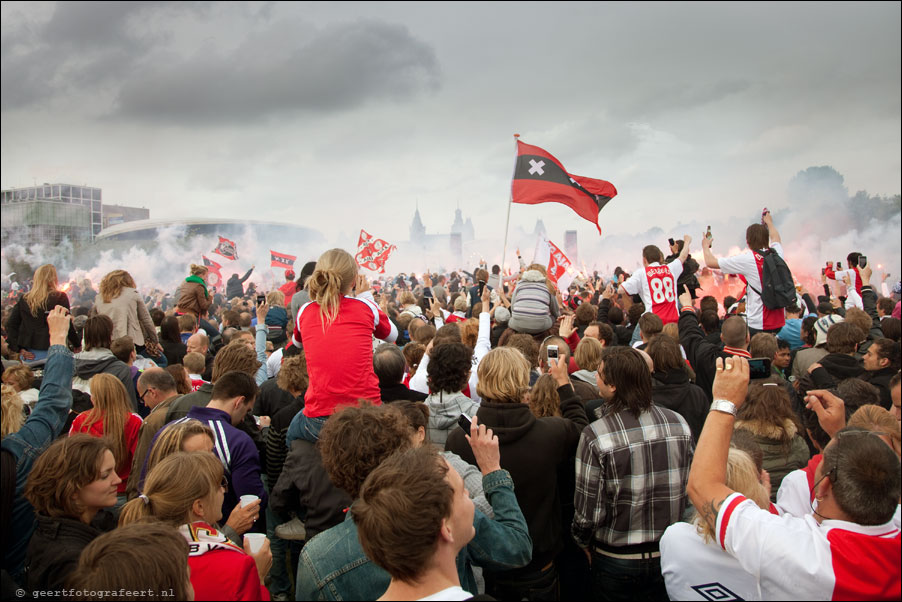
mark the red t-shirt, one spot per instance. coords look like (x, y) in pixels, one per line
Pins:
(340, 356)
(289, 289)
(132, 426)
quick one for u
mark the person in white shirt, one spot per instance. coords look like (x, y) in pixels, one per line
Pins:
(693, 565)
(656, 284)
(748, 265)
(848, 549)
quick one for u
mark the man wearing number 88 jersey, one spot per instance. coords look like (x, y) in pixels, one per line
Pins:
(657, 283)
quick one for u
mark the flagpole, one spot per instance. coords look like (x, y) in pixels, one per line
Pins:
(509, 203)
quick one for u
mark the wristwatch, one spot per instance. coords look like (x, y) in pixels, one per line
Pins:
(722, 405)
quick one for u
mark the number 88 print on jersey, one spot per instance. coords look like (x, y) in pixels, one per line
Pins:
(656, 284)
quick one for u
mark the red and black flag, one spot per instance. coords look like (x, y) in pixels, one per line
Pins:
(215, 277)
(226, 248)
(280, 260)
(540, 178)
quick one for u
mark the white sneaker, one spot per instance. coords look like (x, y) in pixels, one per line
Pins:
(293, 529)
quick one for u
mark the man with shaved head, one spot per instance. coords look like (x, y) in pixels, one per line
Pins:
(702, 353)
(199, 342)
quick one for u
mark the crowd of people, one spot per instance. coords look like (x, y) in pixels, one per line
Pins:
(459, 435)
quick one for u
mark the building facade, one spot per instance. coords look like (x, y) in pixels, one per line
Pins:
(51, 213)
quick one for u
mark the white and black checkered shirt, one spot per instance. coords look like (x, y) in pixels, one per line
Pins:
(631, 477)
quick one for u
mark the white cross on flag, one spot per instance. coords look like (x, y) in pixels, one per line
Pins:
(372, 253)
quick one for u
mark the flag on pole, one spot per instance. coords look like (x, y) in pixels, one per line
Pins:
(280, 260)
(214, 277)
(372, 253)
(540, 178)
(226, 248)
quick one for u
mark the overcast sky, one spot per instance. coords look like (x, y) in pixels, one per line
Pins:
(342, 116)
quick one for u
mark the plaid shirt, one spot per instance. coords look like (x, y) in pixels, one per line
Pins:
(631, 477)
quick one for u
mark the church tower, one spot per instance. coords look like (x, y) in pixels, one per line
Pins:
(417, 229)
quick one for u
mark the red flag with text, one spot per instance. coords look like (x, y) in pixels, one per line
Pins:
(226, 248)
(280, 260)
(372, 253)
(560, 269)
(540, 178)
(215, 276)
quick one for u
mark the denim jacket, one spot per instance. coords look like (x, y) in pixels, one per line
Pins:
(333, 565)
(41, 428)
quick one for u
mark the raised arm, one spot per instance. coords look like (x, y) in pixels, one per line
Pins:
(771, 228)
(708, 475)
(710, 259)
(685, 252)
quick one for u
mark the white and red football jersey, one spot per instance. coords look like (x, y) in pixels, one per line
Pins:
(749, 264)
(657, 285)
(797, 558)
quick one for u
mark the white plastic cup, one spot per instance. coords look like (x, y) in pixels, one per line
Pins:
(255, 541)
(248, 499)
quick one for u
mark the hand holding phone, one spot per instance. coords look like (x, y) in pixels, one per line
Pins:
(759, 367)
(863, 261)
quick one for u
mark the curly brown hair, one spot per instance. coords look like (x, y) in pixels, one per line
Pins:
(355, 440)
(526, 345)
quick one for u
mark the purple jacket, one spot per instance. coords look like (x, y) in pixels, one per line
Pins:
(238, 454)
(236, 451)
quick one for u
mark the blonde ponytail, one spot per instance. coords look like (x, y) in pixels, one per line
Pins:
(333, 277)
(172, 486)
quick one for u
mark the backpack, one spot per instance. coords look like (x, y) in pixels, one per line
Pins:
(777, 286)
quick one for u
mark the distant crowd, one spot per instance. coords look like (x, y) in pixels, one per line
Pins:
(471, 434)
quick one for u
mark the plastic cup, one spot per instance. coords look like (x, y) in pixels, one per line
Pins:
(255, 541)
(248, 499)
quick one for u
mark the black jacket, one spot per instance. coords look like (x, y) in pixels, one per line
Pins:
(701, 353)
(175, 352)
(304, 487)
(276, 449)
(533, 450)
(271, 398)
(27, 331)
(400, 392)
(234, 286)
(623, 333)
(56, 545)
(672, 390)
(880, 379)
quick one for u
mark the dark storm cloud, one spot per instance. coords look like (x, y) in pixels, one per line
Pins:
(334, 68)
(81, 45)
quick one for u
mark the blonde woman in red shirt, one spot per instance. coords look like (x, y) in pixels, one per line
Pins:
(111, 419)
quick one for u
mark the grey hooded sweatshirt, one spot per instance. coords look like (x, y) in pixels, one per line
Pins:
(444, 410)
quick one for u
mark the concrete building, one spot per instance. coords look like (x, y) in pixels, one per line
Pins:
(49, 213)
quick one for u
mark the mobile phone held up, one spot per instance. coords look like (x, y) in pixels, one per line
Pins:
(552, 352)
(261, 299)
(465, 423)
(708, 235)
(759, 367)
(863, 261)
(670, 242)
